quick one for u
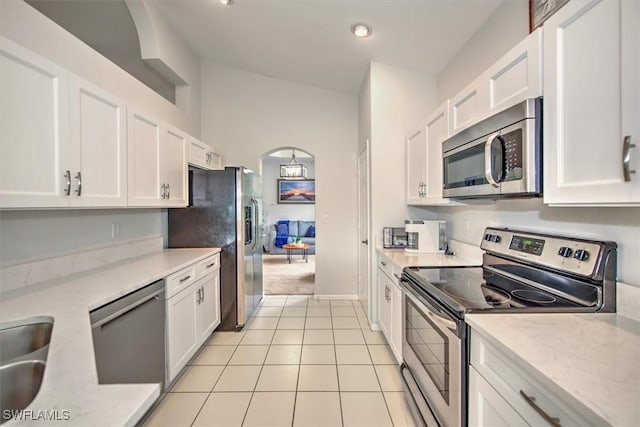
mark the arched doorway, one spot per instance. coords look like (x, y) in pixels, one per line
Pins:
(288, 195)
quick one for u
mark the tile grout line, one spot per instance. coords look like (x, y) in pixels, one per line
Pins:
(335, 354)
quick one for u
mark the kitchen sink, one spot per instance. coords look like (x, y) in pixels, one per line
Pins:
(21, 340)
(19, 385)
(24, 347)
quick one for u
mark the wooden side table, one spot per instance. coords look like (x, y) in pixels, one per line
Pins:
(290, 247)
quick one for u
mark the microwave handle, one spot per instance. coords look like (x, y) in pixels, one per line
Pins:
(488, 172)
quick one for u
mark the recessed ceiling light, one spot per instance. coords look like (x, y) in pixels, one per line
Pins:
(361, 30)
(226, 2)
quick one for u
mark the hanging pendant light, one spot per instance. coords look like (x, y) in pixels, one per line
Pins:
(293, 170)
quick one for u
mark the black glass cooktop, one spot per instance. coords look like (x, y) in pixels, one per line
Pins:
(476, 289)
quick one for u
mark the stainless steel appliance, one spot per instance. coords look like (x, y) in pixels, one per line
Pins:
(426, 236)
(394, 238)
(499, 157)
(129, 337)
(224, 211)
(521, 272)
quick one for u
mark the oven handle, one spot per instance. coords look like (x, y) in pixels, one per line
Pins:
(488, 173)
(431, 311)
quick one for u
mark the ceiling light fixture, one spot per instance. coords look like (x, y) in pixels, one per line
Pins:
(226, 2)
(293, 170)
(361, 30)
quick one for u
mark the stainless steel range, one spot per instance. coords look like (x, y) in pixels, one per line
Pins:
(521, 272)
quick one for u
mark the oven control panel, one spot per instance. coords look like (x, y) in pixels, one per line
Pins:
(573, 255)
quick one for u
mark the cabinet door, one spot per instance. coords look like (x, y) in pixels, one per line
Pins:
(437, 131)
(34, 133)
(182, 335)
(517, 75)
(98, 136)
(384, 308)
(591, 54)
(209, 307)
(174, 166)
(199, 154)
(416, 167)
(144, 148)
(487, 407)
(395, 306)
(469, 106)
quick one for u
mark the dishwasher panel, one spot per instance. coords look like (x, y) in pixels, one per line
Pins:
(129, 337)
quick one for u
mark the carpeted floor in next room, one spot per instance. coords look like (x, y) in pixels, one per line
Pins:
(282, 278)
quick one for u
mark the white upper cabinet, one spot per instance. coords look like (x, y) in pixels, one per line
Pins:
(202, 156)
(517, 75)
(591, 111)
(34, 130)
(157, 163)
(144, 146)
(416, 152)
(424, 160)
(513, 78)
(99, 147)
(469, 106)
(437, 131)
(173, 161)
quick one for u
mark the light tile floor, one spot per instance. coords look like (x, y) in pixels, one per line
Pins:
(297, 362)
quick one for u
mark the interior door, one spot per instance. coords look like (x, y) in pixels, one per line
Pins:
(363, 228)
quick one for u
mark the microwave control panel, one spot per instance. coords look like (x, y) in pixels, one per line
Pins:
(513, 155)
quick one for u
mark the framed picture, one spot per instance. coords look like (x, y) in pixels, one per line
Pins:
(297, 191)
(540, 10)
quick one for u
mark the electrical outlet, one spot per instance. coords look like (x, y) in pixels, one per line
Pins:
(115, 230)
(466, 226)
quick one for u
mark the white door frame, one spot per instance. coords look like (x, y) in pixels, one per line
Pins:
(364, 283)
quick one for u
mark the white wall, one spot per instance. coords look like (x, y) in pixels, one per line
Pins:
(273, 210)
(392, 104)
(31, 235)
(400, 101)
(507, 26)
(247, 115)
(27, 236)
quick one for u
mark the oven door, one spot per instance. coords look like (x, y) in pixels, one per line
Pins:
(433, 350)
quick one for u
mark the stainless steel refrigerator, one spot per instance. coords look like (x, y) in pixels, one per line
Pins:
(225, 211)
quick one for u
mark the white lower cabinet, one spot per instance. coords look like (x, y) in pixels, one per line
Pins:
(487, 407)
(390, 308)
(193, 311)
(504, 393)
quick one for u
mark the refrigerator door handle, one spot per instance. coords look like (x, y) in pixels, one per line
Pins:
(256, 224)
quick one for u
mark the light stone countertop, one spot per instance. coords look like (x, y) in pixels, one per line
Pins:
(70, 380)
(465, 255)
(590, 360)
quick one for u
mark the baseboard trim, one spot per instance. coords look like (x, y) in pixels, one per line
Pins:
(321, 297)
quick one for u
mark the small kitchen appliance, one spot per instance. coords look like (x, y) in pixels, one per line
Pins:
(426, 236)
(499, 157)
(394, 238)
(522, 272)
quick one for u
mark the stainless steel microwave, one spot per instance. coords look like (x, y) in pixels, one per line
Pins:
(500, 156)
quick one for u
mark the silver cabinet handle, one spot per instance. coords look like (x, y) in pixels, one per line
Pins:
(211, 265)
(185, 278)
(79, 181)
(626, 158)
(168, 191)
(199, 296)
(202, 293)
(383, 263)
(67, 176)
(554, 421)
(162, 191)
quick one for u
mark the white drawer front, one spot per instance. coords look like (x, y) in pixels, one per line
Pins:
(208, 265)
(181, 280)
(512, 382)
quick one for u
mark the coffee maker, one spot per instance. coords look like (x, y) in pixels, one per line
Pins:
(426, 236)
